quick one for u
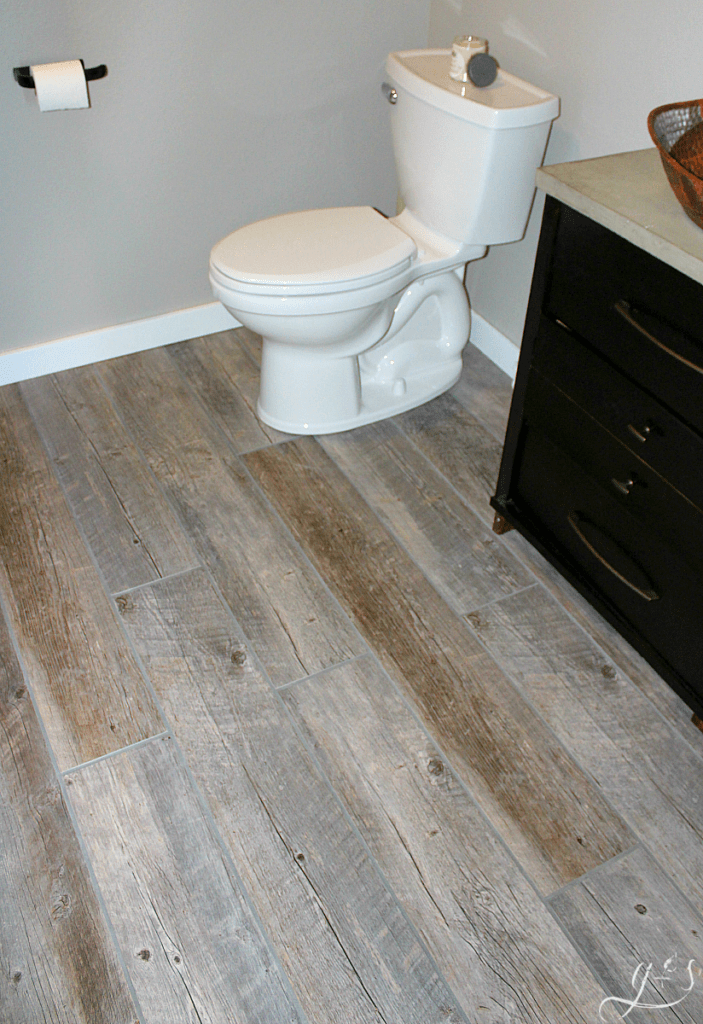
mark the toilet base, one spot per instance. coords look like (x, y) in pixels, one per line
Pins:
(307, 390)
(379, 400)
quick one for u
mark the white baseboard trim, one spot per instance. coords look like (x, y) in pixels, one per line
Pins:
(110, 342)
(94, 346)
(489, 340)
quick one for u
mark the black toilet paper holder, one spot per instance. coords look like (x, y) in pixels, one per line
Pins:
(24, 78)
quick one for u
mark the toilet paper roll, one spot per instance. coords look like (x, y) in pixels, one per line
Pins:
(463, 49)
(60, 86)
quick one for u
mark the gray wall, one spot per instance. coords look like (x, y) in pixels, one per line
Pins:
(214, 114)
(611, 63)
(218, 113)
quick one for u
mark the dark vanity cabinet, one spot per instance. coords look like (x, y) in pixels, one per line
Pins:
(602, 468)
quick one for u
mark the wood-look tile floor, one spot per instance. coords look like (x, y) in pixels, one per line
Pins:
(288, 734)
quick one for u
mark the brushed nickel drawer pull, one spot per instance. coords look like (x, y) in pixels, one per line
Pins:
(624, 486)
(647, 592)
(625, 310)
(641, 435)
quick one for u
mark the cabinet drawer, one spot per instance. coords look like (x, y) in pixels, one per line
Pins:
(655, 590)
(644, 316)
(644, 494)
(636, 419)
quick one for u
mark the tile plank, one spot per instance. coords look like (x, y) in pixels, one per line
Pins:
(629, 913)
(227, 383)
(58, 961)
(193, 947)
(650, 775)
(632, 664)
(349, 951)
(460, 447)
(485, 391)
(463, 559)
(284, 609)
(87, 683)
(498, 745)
(461, 889)
(132, 532)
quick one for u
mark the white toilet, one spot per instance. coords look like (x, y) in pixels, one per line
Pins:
(363, 317)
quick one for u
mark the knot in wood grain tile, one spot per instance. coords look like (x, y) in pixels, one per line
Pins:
(62, 906)
(239, 656)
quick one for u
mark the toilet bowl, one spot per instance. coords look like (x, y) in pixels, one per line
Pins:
(370, 277)
(363, 317)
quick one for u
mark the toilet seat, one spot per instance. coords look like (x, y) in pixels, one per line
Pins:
(312, 252)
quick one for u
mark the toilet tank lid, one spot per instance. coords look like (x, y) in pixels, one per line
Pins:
(313, 247)
(509, 102)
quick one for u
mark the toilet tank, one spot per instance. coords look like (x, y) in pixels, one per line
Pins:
(466, 156)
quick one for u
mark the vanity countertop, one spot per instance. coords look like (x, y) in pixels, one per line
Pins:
(629, 194)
